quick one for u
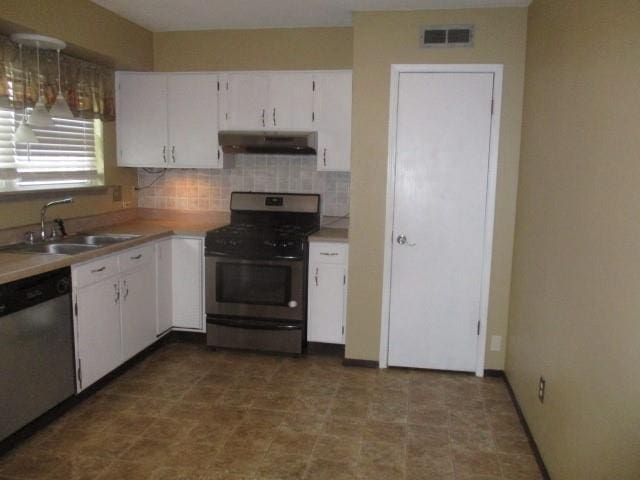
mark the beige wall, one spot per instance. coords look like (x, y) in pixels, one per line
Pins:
(93, 32)
(266, 49)
(85, 26)
(575, 300)
(381, 39)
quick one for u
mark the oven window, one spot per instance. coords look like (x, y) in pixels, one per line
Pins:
(253, 284)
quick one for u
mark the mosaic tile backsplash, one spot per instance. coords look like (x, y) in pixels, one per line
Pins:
(210, 189)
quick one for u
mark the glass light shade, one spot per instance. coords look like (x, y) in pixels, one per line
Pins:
(40, 115)
(60, 109)
(24, 134)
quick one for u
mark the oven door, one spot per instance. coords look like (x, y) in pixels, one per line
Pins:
(257, 289)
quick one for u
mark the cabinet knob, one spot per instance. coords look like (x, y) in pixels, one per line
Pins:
(292, 304)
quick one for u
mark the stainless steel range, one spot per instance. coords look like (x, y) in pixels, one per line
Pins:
(256, 271)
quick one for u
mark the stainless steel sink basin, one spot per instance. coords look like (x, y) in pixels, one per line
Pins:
(61, 248)
(70, 245)
(58, 248)
(99, 240)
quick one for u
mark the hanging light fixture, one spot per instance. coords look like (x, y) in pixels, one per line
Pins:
(61, 108)
(39, 115)
(24, 133)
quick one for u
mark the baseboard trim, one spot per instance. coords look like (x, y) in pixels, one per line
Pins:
(354, 362)
(327, 349)
(527, 430)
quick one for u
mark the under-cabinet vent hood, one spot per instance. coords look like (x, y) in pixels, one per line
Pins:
(265, 143)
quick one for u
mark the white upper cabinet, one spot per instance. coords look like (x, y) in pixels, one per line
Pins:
(141, 119)
(290, 102)
(244, 101)
(193, 121)
(167, 120)
(267, 101)
(333, 120)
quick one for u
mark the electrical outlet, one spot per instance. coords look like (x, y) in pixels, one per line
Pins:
(542, 384)
(496, 343)
(117, 193)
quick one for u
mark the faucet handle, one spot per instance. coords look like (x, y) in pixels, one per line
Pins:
(29, 237)
(59, 223)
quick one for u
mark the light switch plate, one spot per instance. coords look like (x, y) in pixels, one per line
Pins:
(496, 343)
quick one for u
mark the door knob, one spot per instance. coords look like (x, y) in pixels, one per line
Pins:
(402, 240)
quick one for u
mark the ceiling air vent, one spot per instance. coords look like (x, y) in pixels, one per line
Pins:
(447, 36)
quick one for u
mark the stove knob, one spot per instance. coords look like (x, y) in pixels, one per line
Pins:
(292, 304)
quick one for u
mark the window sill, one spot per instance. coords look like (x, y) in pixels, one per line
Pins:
(9, 191)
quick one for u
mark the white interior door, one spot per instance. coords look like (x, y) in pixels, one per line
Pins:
(442, 163)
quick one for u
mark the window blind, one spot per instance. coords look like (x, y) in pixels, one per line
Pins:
(65, 153)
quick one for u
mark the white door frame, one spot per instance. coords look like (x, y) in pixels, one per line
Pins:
(396, 70)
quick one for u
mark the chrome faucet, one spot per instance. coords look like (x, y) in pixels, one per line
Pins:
(43, 213)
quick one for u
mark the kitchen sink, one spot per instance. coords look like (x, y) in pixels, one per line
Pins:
(58, 248)
(71, 245)
(98, 240)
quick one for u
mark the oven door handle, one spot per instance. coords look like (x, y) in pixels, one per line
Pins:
(253, 324)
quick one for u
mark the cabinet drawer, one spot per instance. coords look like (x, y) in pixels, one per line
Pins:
(135, 257)
(95, 271)
(321, 252)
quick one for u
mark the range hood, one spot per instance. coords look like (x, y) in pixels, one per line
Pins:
(264, 143)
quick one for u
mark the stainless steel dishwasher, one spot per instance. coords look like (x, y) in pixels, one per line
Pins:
(36, 348)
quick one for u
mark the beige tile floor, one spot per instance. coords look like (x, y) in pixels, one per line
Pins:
(186, 412)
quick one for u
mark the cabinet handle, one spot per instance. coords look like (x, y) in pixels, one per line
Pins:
(137, 257)
(164, 153)
(274, 116)
(173, 153)
(316, 277)
(98, 270)
(324, 156)
(263, 113)
(329, 254)
(126, 290)
(116, 290)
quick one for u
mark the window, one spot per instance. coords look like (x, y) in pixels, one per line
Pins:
(68, 155)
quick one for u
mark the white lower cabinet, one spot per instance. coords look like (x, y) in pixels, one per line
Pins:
(97, 330)
(327, 292)
(164, 285)
(124, 302)
(137, 307)
(187, 275)
(180, 282)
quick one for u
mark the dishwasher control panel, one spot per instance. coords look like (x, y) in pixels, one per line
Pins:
(27, 292)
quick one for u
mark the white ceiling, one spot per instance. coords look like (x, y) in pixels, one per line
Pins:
(174, 15)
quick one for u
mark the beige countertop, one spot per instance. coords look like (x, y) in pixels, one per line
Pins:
(326, 234)
(15, 266)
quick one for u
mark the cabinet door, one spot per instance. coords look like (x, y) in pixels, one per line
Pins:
(333, 120)
(290, 101)
(138, 300)
(327, 284)
(193, 121)
(142, 120)
(187, 269)
(245, 101)
(99, 340)
(164, 285)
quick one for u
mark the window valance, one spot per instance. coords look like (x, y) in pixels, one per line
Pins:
(87, 87)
